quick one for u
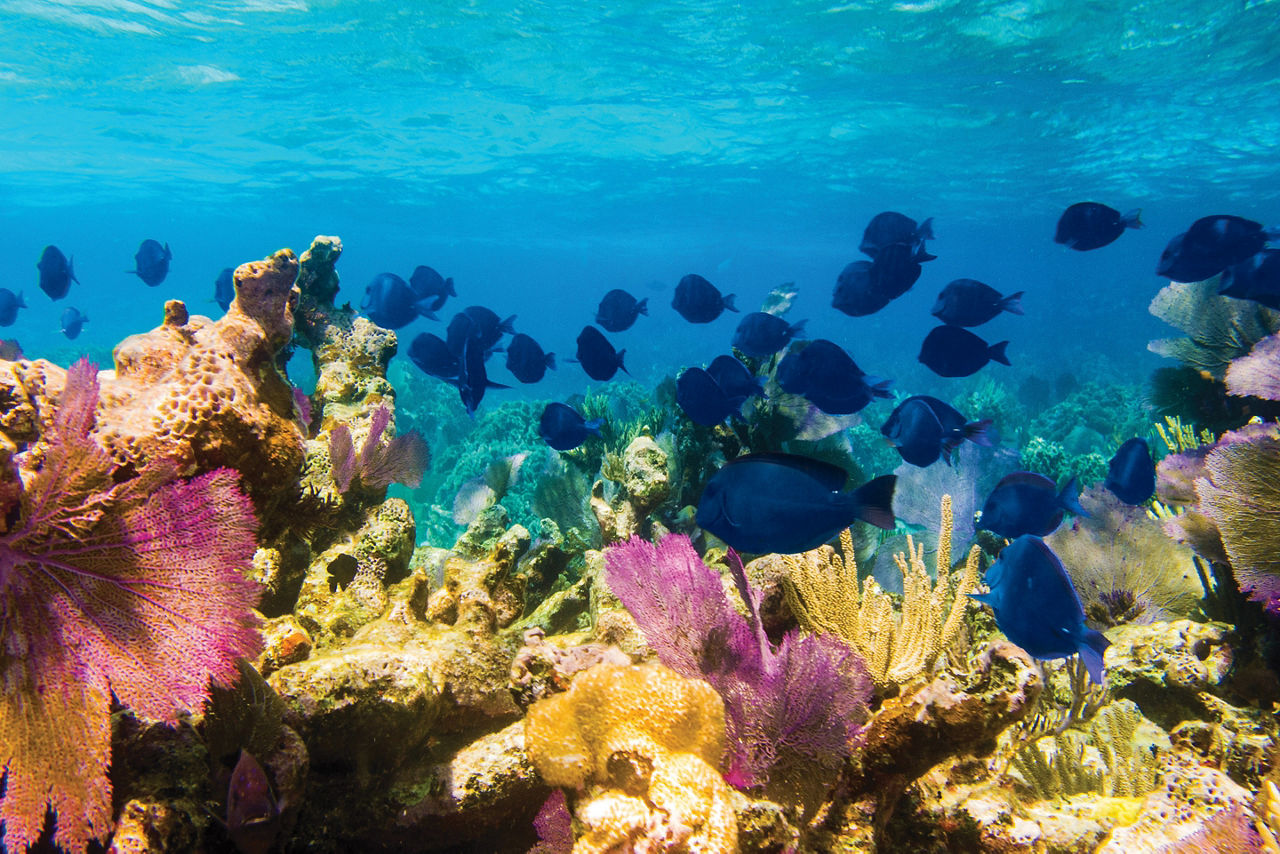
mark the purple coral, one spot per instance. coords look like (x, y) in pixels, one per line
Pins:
(402, 460)
(130, 587)
(802, 702)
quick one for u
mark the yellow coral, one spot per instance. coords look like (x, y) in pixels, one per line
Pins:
(821, 587)
(1268, 821)
(646, 743)
(1180, 437)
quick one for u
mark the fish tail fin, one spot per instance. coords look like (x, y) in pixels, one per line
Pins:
(1069, 497)
(925, 231)
(491, 384)
(878, 387)
(874, 500)
(424, 310)
(71, 269)
(550, 361)
(168, 255)
(977, 432)
(642, 307)
(1133, 219)
(921, 256)
(22, 303)
(448, 287)
(1092, 645)
(508, 325)
(1012, 303)
(622, 367)
(797, 328)
(730, 302)
(996, 353)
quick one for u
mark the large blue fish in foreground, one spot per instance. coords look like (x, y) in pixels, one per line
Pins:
(1028, 503)
(786, 504)
(1037, 607)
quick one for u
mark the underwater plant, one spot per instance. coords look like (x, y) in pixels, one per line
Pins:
(110, 584)
(378, 464)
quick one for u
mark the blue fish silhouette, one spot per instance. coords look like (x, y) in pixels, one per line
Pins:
(1131, 474)
(1090, 225)
(1028, 503)
(563, 427)
(151, 262)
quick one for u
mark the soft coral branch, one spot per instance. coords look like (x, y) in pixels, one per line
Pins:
(403, 459)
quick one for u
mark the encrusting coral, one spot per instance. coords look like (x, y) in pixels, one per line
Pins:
(643, 746)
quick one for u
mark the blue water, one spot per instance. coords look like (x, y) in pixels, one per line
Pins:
(541, 153)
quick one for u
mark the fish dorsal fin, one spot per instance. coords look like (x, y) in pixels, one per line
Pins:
(831, 476)
(1027, 478)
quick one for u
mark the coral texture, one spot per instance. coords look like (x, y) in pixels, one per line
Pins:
(1218, 328)
(132, 588)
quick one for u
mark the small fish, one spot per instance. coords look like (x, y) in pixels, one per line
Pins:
(151, 262)
(1256, 279)
(432, 290)
(699, 301)
(9, 305)
(73, 322)
(224, 288)
(892, 227)
(786, 504)
(480, 324)
(433, 356)
(896, 268)
(1211, 245)
(618, 310)
(968, 302)
(473, 381)
(924, 428)
(484, 490)
(825, 375)
(1090, 225)
(1131, 474)
(734, 379)
(950, 351)
(563, 427)
(1037, 607)
(761, 335)
(597, 356)
(57, 272)
(701, 397)
(526, 361)
(390, 302)
(253, 814)
(855, 293)
(1028, 503)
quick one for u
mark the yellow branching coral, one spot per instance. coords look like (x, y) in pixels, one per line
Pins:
(1180, 438)
(822, 590)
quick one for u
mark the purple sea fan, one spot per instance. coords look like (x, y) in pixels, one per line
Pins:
(402, 460)
(133, 588)
(801, 704)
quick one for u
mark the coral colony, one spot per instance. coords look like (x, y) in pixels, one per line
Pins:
(235, 614)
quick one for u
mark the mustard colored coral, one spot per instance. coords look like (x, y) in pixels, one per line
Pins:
(645, 744)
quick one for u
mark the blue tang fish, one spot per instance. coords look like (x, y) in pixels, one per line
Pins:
(73, 322)
(433, 356)
(563, 427)
(1257, 279)
(525, 359)
(968, 302)
(597, 356)
(1028, 503)
(390, 302)
(9, 305)
(699, 301)
(702, 398)
(432, 290)
(785, 504)
(855, 293)
(224, 288)
(618, 310)
(1037, 607)
(57, 272)
(151, 262)
(896, 268)
(473, 381)
(825, 375)
(478, 323)
(889, 228)
(735, 379)
(924, 428)
(950, 351)
(760, 334)
(1211, 245)
(1090, 225)
(1131, 474)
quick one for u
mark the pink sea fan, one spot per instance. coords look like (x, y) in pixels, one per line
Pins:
(402, 460)
(134, 588)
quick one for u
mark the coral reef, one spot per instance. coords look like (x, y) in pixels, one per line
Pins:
(643, 483)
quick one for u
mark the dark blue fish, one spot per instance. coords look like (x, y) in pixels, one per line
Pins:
(785, 504)
(432, 290)
(1131, 474)
(224, 288)
(734, 379)
(9, 305)
(896, 268)
(563, 428)
(760, 334)
(855, 293)
(1037, 607)
(1211, 245)
(433, 356)
(699, 301)
(702, 398)
(950, 351)
(825, 375)
(390, 302)
(151, 262)
(1256, 279)
(253, 815)
(10, 349)
(525, 359)
(1028, 503)
(597, 356)
(1090, 225)
(73, 321)
(473, 380)
(619, 309)
(480, 324)
(890, 227)
(968, 302)
(56, 272)
(924, 428)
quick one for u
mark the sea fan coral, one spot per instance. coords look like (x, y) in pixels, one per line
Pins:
(402, 460)
(109, 585)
